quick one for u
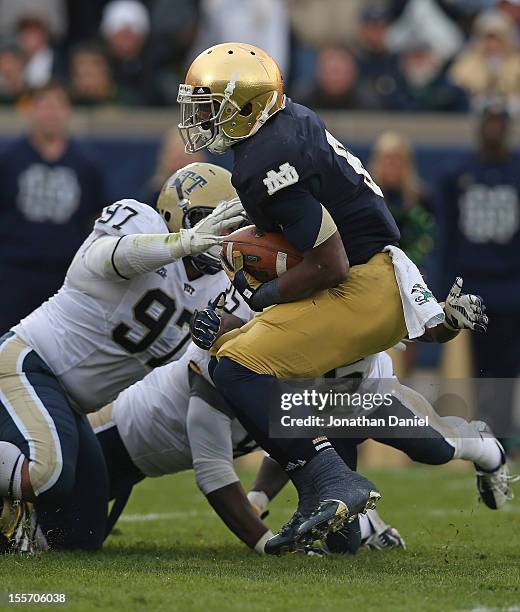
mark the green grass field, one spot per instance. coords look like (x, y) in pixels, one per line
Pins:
(172, 553)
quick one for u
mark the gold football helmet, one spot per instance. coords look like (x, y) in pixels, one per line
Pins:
(189, 195)
(231, 90)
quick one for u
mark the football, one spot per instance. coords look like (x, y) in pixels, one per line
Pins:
(267, 255)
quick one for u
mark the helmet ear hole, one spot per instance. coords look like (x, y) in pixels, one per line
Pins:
(246, 110)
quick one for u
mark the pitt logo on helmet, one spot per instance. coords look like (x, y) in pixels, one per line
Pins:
(189, 195)
(231, 90)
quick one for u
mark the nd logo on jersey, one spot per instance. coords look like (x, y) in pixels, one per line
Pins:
(287, 175)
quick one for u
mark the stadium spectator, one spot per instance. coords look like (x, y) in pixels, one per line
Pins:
(263, 23)
(463, 12)
(90, 78)
(84, 19)
(491, 63)
(12, 81)
(328, 22)
(34, 39)
(51, 12)
(336, 79)
(511, 8)
(479, 212)
(50, 191)
(426, 17)
(380, 82)
(393, 168)
(427, 87)
(171, 157)
(125, 27)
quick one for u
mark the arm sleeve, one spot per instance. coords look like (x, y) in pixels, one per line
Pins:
(305, 222)
(209, 436)
(122, 258)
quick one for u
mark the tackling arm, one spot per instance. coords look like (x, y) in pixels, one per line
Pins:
(209, 435)
(123, 257)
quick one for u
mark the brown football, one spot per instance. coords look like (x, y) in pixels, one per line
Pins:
(266, 254)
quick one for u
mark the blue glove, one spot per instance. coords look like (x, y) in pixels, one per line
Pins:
(205, 324)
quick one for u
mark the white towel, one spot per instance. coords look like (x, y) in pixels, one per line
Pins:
(421, 309)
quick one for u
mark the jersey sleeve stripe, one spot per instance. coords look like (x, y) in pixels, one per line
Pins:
(114, 263)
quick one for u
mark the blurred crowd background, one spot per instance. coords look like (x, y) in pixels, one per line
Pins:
(458, 207)
(395, 55)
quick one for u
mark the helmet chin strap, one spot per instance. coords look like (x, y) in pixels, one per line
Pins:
(264, 116)
(220, 145)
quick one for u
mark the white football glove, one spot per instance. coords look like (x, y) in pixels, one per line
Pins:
(464, 311)
(208, 231)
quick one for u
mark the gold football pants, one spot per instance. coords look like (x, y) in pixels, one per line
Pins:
(308, 338)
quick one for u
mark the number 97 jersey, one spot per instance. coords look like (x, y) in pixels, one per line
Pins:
(99, 335)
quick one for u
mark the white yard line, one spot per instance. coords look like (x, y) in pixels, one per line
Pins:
(160, 516)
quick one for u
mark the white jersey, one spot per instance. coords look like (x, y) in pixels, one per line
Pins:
(99, 336)
(151, 418)
(151, 415)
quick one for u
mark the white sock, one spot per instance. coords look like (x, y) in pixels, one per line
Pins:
(260, 545)
(484, 451)
(365, 526)
(258, 499)
(11, 462)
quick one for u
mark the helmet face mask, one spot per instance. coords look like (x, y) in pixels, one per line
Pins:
(190, 195)
(202, 114)
(230, 91)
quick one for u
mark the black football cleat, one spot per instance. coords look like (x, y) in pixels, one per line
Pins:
(285, 540)
(332, 514)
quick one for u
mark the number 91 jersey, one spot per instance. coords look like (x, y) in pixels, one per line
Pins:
(100, 335)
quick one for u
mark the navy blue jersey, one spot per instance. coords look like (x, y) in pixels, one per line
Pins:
(479, 213)
(292, 166)
(46, 208)
(46, 211)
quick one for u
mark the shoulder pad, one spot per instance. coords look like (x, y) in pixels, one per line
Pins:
(129, 216)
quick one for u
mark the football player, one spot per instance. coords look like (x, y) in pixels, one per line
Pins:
(444, 439)
(340, 304)
(175, 420)
(124, 309)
